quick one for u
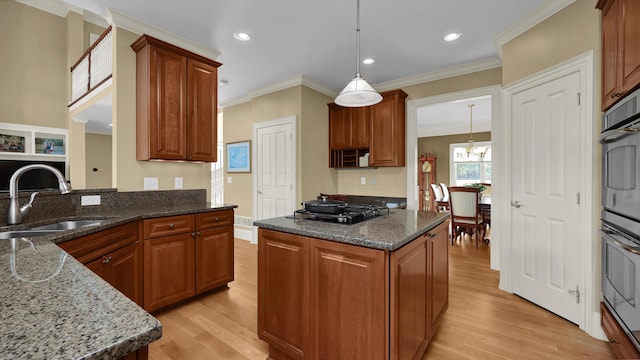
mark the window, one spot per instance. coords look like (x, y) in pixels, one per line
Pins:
(473, 168)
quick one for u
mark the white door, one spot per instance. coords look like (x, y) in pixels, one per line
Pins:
(545, 182)
(275, 169)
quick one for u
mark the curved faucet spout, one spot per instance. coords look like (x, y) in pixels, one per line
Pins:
(15, 213)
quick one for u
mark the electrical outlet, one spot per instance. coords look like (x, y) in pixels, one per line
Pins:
(178, 183)
(151, 183)
(86, 200)
(363, 180)
(229, 179)
(373, 181)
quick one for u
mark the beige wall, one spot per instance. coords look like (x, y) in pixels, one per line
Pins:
(98, 150)
(569, 33)
(238, 126)
(34, 66)
(438, 146)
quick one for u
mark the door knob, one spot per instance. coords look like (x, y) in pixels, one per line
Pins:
(259, 192)
(516, 204)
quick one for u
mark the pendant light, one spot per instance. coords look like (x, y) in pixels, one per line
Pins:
(470, 143)
(358, 92)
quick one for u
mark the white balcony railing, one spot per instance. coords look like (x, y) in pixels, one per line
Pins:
(93, 68)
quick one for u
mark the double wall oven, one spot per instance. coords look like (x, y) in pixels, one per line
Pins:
(620, 231)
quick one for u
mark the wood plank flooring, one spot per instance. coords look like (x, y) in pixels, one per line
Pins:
(482, 322)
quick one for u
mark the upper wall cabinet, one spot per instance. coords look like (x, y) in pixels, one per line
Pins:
(378, 130)
(177, 101)
(620, 53)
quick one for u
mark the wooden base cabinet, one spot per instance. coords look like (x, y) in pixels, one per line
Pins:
(320, 299)
(186, 255)
(115, 255)
(620, 343)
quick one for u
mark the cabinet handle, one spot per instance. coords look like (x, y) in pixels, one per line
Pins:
(613, 341)
(217, 219)
(193, 235)
(106, 260)
(198, 233)
(171, 226)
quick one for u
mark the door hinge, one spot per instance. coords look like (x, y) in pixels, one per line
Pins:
(290, 136)
(577, 293)
(578, 198)
(578, 98)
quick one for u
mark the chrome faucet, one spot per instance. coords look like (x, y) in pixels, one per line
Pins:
(15, 213)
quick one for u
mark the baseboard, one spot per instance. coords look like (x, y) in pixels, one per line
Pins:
(242, 233)
(596, 328)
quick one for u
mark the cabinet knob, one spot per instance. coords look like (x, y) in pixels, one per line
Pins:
(193, 235)
(217, 219)
(106, 260)
(171, 226)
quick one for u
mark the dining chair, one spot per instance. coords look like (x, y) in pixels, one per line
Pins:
(445, 196)
(438, 197)
(465, 213)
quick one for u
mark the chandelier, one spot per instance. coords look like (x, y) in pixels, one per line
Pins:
(470, 148)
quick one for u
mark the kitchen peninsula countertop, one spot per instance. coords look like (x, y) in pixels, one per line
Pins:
(54, 307)
(386, 232)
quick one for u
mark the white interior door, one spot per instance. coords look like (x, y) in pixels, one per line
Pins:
(275, 154)
(545, 195)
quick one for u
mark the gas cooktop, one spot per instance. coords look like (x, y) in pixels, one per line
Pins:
(351, 214)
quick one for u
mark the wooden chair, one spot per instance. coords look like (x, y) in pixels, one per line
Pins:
(438, 197)
(445, 196)
(465, 212)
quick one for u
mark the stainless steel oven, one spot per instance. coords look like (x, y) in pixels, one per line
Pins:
(621, 158)
(621, 271)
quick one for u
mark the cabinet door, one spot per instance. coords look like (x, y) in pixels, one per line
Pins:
(386, 146)
(409, 305)
(609, 54)
(123, 270)
(339, 129)
(283, 293)
(620, 343)
(169, 270)
(167, 108)
(629, 49)
(348, 300)
(214, 258)
(202, 105)
(359, 124)
(438, 274)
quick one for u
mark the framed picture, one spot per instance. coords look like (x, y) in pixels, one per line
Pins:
(12, 143)
(239, 157)
(52, 146)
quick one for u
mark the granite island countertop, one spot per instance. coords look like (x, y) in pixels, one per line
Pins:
(55, 307)
(386, 232)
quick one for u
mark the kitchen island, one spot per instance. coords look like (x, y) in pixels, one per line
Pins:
(373, 290)
(53, 306)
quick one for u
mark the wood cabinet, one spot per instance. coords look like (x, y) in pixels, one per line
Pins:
(320, 299)
(387, 143)
(620, 53)
(419, 292)
(378, 129)
(620, 343)
(186, 255)
(115, 255)
(176, 96)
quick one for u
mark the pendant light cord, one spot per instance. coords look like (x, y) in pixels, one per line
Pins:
(358, 38)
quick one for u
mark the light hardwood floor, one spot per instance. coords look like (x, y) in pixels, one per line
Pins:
(482, 322)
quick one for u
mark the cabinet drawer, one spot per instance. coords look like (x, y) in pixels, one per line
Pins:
(88, 248)
(169, 225)
(620, 343)
(214, 219)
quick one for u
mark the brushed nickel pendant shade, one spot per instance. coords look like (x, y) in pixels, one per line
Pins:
(358, 92)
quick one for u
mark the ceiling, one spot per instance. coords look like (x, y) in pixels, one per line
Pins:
(315, 40)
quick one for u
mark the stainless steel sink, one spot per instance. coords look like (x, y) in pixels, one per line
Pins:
(25, 233)
(68, 225)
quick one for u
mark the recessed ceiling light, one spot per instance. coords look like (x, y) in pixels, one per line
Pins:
(368, 61)
(242, 36)
(452, 36)
(223, 82)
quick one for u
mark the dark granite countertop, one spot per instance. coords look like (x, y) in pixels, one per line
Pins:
(54, 307)
(386, 232)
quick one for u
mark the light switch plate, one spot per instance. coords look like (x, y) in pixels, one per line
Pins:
(179, 183)
(86, 200)
(151, 183)
(229, 179)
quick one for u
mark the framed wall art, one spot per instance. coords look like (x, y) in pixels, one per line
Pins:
(239, 157)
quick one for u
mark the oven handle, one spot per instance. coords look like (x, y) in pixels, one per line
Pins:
(609, 234)
(616, 134)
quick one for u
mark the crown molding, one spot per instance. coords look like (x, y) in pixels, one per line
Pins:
(546, 10)
(481, 65)
(442, 130)
(282, 85)
(55, 7)
(122, 21)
